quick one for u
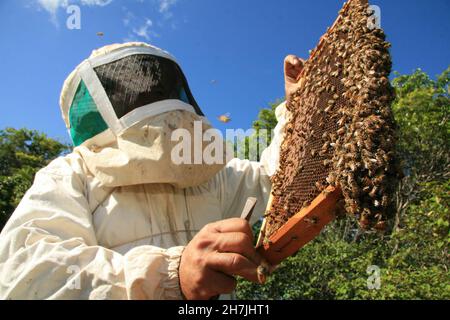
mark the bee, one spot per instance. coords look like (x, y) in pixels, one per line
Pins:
(326, 145)
(351, 207)
(384, 201)
(100, 34)
(313, 220)
(225, 118)
(331, 179)
(351, 165)
(340, 162)
(373, 192)
(341, 122)
(364, 221)
(380, 226)
(326, 192)
(379, 179)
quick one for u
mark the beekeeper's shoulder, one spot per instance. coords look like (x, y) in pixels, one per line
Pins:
(69, 165)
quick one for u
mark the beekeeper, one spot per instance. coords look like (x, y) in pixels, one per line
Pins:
(117, 218)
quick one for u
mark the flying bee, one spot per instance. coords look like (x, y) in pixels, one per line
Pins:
(225, 118)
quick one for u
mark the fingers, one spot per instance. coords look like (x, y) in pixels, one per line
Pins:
(211, 283)
(233, 264)
(292, 60)
(293, 66)
(221, 283)
(232, 225)
(240, 243)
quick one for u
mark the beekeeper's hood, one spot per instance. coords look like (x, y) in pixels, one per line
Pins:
(122, 105)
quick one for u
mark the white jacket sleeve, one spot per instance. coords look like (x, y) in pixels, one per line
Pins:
(49, 250)
(243, 178)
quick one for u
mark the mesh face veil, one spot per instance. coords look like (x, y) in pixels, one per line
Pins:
(122, 106)
(111, 86)
(142, 79)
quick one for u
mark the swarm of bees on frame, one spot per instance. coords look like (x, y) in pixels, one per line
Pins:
(342, 131)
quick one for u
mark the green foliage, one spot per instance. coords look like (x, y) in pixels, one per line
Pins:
(267, 119)
(261, 137)
(422, 110)
(413, 257)
(22, 153)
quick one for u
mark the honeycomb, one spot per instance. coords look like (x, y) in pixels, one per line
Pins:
(341, 130)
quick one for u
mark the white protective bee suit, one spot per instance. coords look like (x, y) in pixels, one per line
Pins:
(111, 219)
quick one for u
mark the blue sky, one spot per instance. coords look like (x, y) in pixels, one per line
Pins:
(230, 50)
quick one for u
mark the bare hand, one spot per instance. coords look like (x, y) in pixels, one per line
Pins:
(220, 251)
(293, 66)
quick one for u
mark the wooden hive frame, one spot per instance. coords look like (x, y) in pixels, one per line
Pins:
(307, 224)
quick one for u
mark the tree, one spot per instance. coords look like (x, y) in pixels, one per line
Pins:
(22, 153)
(413, 257)
(261, 137)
